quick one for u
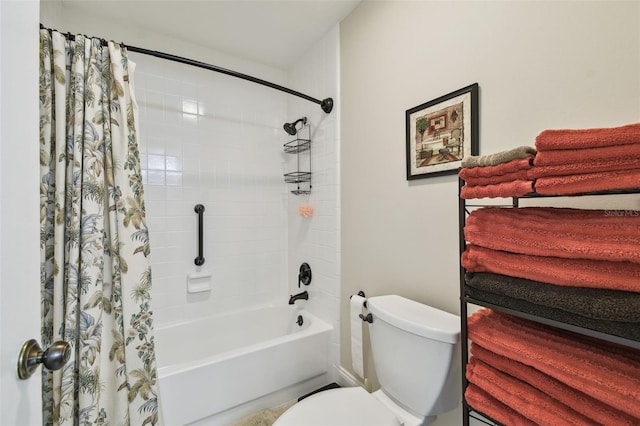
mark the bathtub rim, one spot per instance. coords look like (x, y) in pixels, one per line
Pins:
(317, 326)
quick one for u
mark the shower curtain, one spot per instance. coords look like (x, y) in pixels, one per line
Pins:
(95, 273)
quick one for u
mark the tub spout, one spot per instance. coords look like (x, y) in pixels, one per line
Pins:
(300, 296)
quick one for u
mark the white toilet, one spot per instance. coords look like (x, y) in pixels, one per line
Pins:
(416, 353)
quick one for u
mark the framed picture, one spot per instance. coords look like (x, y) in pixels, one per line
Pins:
(441, 132)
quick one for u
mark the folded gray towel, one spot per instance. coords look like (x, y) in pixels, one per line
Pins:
(593, 303)
(628, 330)
(499, 157)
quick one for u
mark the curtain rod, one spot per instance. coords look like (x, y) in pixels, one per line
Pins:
(326, 104)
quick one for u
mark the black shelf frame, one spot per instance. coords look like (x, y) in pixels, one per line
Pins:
(469, 412)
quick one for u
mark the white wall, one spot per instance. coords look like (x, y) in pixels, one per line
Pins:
(316, 240)
(539, 65)
(20, 401)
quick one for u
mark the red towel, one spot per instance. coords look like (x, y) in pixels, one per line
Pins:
(556, 232)
(605, 371)
(554, 270)
(497, 179)
(514, 188)
(589, 182)
(590, 407)
(485, 403)
(568, 156)
(492, 175)
(588, 138)
(583, 167)
(522, 397)
(512, 166)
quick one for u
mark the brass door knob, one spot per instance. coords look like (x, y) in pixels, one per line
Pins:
(31, 355)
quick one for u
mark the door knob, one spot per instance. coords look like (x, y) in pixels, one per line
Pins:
(32, 354)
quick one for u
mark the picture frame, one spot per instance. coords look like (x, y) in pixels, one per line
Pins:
(441, 132)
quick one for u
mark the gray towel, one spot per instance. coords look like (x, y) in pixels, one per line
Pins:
(628, 330)
(594, 303)
(499, 157)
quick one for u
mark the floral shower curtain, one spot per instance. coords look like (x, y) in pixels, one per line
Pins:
(95, 273)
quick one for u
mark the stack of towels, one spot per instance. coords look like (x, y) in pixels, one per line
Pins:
(580, 267)
(575, 161)
(504, 174)
(525, 373)
(576, 266)
(563, 162)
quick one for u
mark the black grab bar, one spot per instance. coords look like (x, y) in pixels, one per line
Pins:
(199, 208)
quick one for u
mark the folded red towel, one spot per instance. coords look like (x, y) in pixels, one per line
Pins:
(497, 179)
(522, 397)
(492, 175)
(514, 188)
(605, 371)
(512, 166)
(583, 167)
(569, 156)
(486, 404)
(554, 270)
(588, 182)
(579, 401)
(588, 138)
(557, 232)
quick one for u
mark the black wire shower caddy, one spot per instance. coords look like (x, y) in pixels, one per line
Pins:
(302, 175)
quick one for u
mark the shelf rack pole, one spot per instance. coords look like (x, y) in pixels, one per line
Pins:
(464, 343)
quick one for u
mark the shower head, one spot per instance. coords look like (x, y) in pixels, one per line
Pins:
(291, 127)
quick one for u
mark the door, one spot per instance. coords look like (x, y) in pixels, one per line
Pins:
(19, 208)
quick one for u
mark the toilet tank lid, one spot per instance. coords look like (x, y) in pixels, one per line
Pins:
(416, 317)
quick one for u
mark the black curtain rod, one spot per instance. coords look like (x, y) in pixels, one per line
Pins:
(325, 104)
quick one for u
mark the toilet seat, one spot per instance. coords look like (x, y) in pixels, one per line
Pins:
(338, 407)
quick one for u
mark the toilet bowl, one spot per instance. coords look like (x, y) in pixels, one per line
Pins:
(415, 350)
(345, 406)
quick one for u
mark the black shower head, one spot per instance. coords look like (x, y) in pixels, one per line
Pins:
(291, 127)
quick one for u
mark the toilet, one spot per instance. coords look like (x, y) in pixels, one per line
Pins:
(416, 353)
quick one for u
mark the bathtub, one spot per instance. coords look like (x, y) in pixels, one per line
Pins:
(211, 365)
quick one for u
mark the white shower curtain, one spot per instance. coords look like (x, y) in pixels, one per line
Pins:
(95, 273)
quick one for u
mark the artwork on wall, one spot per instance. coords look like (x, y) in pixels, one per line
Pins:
(441, 132)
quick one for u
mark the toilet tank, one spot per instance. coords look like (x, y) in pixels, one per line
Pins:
(416, 353)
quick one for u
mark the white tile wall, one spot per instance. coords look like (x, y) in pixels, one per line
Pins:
(209, 139)
(316, 240)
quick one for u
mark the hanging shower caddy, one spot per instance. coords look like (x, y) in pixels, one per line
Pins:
(302, 176)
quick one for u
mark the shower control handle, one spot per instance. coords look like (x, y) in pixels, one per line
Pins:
(31, 355)
(304, 276)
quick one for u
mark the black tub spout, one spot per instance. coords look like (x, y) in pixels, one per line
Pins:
(300, 296)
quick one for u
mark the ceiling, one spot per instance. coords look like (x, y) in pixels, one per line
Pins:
(271, 32)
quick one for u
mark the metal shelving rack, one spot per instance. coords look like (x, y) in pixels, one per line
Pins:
(297, 147)
(463, 210)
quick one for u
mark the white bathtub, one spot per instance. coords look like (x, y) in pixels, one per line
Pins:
(211, 365)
